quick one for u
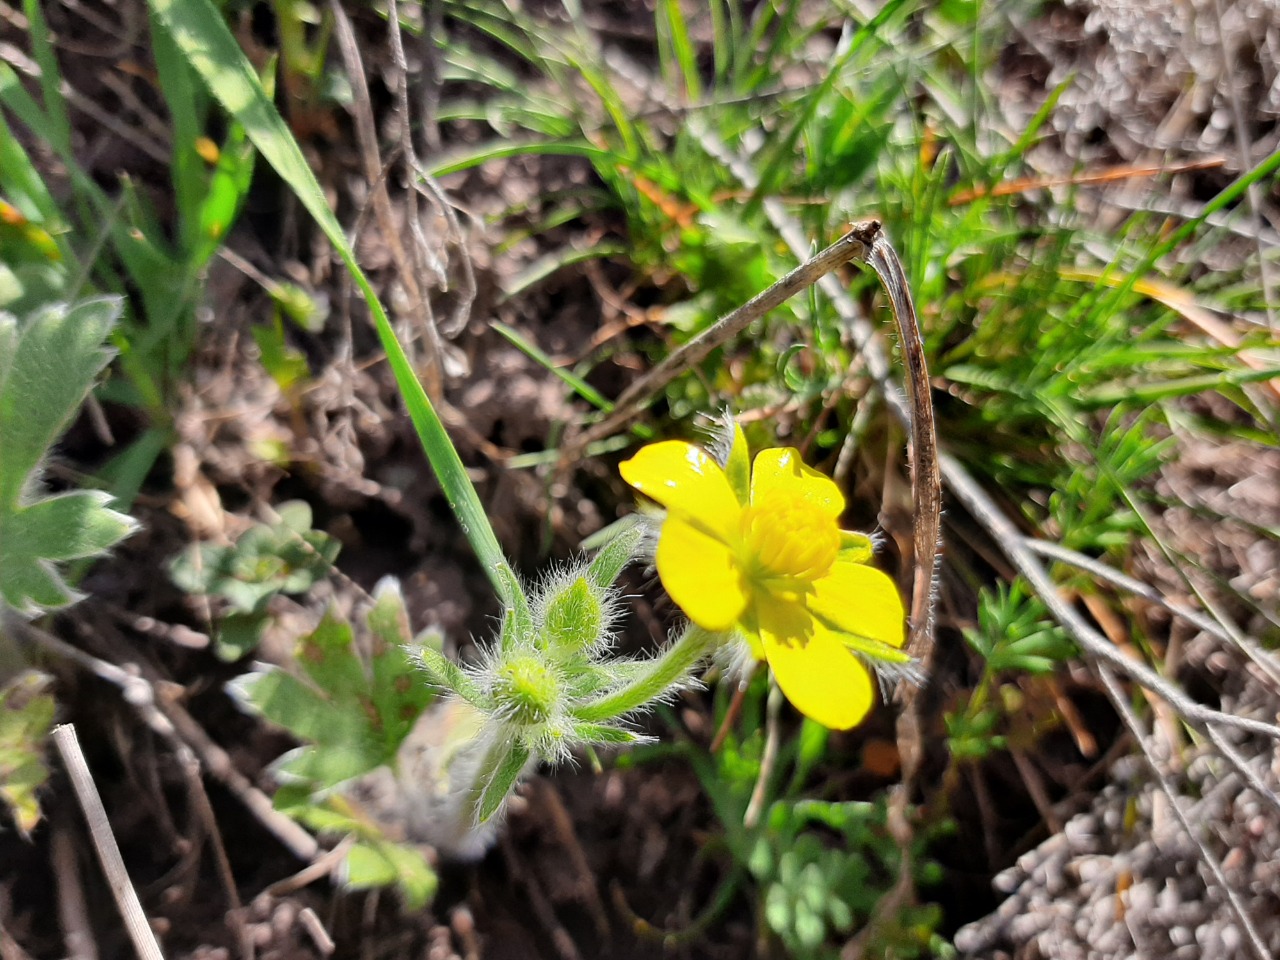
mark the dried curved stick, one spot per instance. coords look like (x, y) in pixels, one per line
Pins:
(854, 245)
(926, 480)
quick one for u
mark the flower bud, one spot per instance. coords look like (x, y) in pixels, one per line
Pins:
(574, 616)
(525, 690)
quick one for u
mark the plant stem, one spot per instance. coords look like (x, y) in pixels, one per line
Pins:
(665, 669)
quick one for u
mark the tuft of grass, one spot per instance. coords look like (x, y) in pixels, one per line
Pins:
(114, 241)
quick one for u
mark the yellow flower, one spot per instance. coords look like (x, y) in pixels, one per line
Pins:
(758, 552)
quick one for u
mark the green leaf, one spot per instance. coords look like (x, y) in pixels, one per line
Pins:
(618, 550)
(573, 616)
(301, 307)
(20, 179)
(237, 634)
(738, 465)
(328, 656)
(285, 557)
(603, 733)
(187, 109)
(57, 127)
(352, 714)
(399, 688)
(307, 713)
(373, 859)
(47, 366)
(497, 777)
(380, 864)
(450, 676)
(26, 716)
(66, 527)
(286, 365)
(322, 768)
(856, 547)
(227, 189)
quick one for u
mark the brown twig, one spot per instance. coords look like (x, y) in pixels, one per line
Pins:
(854, 245)
(1034, 783)
(73, 914)
(562, 824)
(538, 901)
(204, 810)
(1107, 175)
(309, 922)
(176, 727)
(669, 937)
(104, 842)
(317, 869)
(218, 764)
(407, 269)
(430, 43)
(735, 707)
(926, 483)
(768, 759)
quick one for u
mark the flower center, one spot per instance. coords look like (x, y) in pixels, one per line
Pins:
(786, 536)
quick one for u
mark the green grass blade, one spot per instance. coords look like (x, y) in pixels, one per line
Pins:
(497, 151)
(58, 128)
(15, 98)
(535, 353)
(673, 32)
(23, 184)
(781, 152)
(183, 96)
(200, 32)
(1234, 192)
(1179, 387)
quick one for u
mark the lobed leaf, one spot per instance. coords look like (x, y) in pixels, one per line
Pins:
(47, 365)
(398, 688)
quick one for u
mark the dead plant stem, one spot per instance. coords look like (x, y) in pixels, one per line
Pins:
(854, 245)
(104, 842)
(73, 910)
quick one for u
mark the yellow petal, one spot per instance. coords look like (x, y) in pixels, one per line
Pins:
(699, 573)
(780, 612)
(780, 470)
(684, 479)
(821, 678)
(861, 600)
